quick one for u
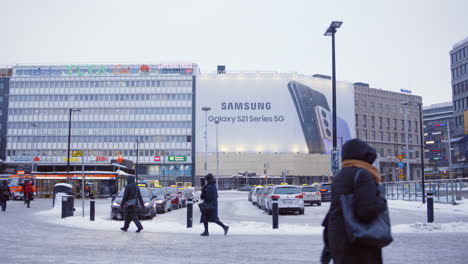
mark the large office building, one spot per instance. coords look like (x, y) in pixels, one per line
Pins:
(459, 69)
(141, 113)
(5, 75)
(380, 120)
(438, 118)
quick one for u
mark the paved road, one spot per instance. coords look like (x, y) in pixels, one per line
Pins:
(26, 238)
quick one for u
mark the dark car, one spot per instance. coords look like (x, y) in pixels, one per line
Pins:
(148, 210)
(163, 200)
(175, 196)
(325, 191)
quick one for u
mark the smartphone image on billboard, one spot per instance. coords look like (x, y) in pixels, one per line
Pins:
(325, 124)
(306, 101)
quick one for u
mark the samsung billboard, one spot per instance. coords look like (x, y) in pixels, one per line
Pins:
(269, 112)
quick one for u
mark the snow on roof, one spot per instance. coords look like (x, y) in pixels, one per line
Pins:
(64, 184)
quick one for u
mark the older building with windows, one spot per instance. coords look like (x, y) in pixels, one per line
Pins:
(380, 120)
(459, 68)
(141, 113)
(437, 120)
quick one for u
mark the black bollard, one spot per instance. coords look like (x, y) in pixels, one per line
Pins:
(430, 208)
(189, 212)
(91, 209)
(275, 213)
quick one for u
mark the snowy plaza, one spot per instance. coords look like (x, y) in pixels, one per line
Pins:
(39, 234)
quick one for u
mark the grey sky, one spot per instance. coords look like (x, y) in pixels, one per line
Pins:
(389, 44)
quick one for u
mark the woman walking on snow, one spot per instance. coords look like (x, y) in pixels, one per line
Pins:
(210, 195)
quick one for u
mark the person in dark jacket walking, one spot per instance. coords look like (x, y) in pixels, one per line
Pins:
(28, 193)
(131, 199)
(356, 155)
(210, 195)
(5, 194)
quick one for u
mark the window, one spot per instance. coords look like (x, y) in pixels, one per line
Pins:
(403, 138)
(388, 123)
(372, 135)
(372, 106)
(389, 137)
(389, 152)
(402, 125)
(372, 121)
(364, 121)
(416, 126)
(381, 136)
(409, 125)
(357, 120)
(365, 134)
(364, 104)
(380, 107)
(380, 123)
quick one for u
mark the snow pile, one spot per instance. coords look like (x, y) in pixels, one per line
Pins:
(460, 208)
(431, 227)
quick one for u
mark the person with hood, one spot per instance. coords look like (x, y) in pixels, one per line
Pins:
(28, 192)
(356, 155)
(130, 200)
(5, 194)
(210, 195)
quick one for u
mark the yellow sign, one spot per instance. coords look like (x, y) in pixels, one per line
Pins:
(71, 159)
(401, 176)
(77, 153)
(188, 184)
(400, 157)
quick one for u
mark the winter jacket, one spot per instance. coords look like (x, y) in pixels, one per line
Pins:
(132, 192)
(4, 188)
(210, 195)
(367, 205)
(28, 190)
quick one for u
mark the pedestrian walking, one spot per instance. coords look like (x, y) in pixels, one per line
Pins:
(78, 190)
(130, 200)
(210, 196)
(5, 194)
(357, 156)
(28, 193)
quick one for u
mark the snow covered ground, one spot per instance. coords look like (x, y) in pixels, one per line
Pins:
(251, 239)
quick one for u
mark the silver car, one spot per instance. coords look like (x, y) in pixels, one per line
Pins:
(290, 199)
(311, 195)
(255, 193)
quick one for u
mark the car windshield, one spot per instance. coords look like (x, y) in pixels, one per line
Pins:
(171, 190)
(258, 191)
(158, 192)
(143, 191)
(287, 190)
(309, 189)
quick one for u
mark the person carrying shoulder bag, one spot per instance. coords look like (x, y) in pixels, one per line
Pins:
(359, 181)
(209, 207)
(131, 199)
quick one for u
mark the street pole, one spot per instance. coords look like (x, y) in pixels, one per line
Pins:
(34, 125)
(408, 177)
(136, 164)
(450, 161)
(421, 138)
(68, 149)
(206, 109)
(217, 154)
(82, 181)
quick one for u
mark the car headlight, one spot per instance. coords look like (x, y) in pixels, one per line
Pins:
(159, 202)
(147, 204)
(115, 204)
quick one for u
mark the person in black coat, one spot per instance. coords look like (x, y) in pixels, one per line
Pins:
(5, 194)
(210, 195)
(356, 155)
(132, 192)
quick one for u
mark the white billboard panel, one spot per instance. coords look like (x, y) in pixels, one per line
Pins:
(268, 112)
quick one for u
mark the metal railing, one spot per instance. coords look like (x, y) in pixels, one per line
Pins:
(441, 189)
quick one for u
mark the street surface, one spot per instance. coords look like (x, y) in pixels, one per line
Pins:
(38, 235)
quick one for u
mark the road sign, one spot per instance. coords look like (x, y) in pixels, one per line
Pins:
(77, 153)
(401, 164)
(401, 176)
(400, 157)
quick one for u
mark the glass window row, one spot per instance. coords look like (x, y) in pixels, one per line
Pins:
(63, 139)
(100, 125)
(98, 84)
(104, 111)
(105, 152)
(101, 97)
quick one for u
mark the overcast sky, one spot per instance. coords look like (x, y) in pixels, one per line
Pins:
(391, 45)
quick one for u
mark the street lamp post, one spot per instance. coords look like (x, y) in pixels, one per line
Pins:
(450, 161)
(137, 142)
(331, 30)
(217, 154)
(206, 109)
(71, 110)
(34, 125)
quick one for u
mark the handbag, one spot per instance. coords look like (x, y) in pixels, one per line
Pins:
(131, 203)
(376, 233)
(206, 207)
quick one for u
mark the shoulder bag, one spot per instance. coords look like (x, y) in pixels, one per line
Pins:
(206, 208)
(376, 233)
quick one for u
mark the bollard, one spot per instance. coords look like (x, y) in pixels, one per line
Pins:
(91, 209)
(275, 213)
(189, 212)
(430, 208)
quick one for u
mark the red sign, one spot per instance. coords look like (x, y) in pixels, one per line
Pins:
(144, 68)
(37, 159)
(99, 158)
(400, 157)
(157, 158)
(119, 70)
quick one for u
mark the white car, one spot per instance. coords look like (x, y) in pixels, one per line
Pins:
(290, 199)
(311, 195)
(255, 193)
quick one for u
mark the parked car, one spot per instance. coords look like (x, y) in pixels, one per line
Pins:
(266, 197)
(163, 200)
(325, 191)
(311, 195)
(290, 199)
(190, 193)
(260, 197)
(255, 194)
(148, 210)
(175, 196)
(245, 188)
